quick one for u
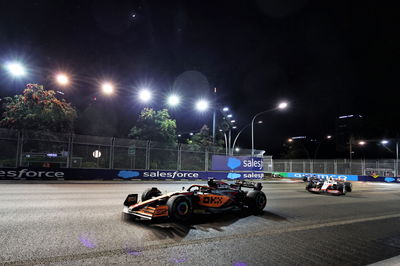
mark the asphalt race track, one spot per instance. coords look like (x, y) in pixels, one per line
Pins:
(81, 224)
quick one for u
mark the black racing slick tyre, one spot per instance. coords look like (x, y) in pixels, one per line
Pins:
(150, 193)
(179, 208)
(256, 201)
(342, 188)
(348, 186)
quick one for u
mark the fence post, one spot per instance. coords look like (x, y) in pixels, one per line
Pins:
(17, 151)
(291, 166)
(272, 165)
(179, 161)
(363, 166)
(21, 149)
(325, 167)
(69, 150)
(335, 167)
(206, 160)
(111, 163)
(148, 155)
(311, 166)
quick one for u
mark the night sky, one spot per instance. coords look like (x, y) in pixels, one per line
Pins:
(327, 58)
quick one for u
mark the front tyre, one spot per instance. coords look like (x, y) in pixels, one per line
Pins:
(150, 193)
(179, 208)
(256, 201)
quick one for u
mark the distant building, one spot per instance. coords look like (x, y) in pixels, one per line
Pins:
(347, 127)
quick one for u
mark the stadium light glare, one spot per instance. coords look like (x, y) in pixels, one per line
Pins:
(107, 88)
(173, 100)
(283, 105)
(62, 79)
(202, 105)
(15, 69)
(145, 95)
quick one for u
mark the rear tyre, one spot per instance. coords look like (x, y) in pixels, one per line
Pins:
(256, 201)
(179, 208)
(150, 193)
(348, 186)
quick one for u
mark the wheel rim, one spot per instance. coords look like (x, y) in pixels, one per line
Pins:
(182, 208)
(261, 202)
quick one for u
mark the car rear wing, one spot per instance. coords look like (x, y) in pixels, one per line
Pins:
(249, 184)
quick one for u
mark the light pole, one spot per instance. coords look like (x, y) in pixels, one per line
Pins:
(240, 132)
(329, 137)
(384, 142)
(397, 157)
(281, 106)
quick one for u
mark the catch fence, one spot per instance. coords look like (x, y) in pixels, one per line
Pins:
(47, 149)
(381, 167)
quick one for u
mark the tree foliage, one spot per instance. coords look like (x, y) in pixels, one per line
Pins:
(202, 139)
(155, 126)
(38, 109)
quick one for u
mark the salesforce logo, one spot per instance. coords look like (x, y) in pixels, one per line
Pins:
(233, 163)
(128, 174)
(234, 176)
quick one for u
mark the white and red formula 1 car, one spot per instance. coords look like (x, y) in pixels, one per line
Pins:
(328, 185)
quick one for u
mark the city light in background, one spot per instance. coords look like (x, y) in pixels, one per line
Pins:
(173, 100)
(62, 79)
(107, 88)
(145, 95)
(384, 141)
(225, 109)
(283, 105)
(362, 143)
(15, 69)
(202, 105)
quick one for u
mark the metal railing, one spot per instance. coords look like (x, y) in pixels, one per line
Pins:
(48, 149)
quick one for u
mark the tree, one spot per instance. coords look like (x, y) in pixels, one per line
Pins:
(202, 139)
(38, 109)
(155, 126)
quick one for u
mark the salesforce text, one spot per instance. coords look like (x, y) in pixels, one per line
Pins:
(30, 173)
(171, 174)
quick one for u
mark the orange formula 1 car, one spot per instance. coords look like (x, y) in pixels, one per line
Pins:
(216, 197)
